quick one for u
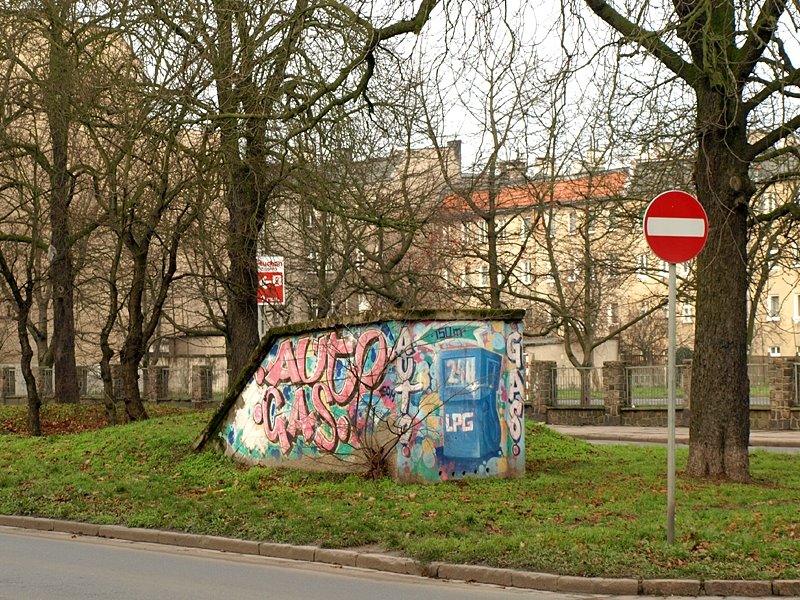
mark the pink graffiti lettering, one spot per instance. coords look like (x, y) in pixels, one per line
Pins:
(321, 373)
(275, 427)
(341, 348)
(285, 366)
(319, 401)
(319, 363)
(300, 419)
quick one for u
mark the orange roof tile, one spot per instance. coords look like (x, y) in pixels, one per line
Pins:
(562, 191)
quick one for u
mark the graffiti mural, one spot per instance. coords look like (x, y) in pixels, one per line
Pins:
(446, 397)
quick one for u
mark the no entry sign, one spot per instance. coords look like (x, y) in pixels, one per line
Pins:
(675, 226)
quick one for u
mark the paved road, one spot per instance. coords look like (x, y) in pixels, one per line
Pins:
(53, 566)
(776, 441)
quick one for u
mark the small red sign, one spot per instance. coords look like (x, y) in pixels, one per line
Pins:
(270, 280)
(675, 226)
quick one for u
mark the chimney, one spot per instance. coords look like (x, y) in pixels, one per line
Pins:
(455, 147)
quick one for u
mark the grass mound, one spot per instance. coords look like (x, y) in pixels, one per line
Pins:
(580, 509)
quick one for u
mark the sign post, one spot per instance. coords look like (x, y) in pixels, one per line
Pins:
(676, 229)
(270, 286)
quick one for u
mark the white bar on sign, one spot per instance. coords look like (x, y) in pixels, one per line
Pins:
(676, 227)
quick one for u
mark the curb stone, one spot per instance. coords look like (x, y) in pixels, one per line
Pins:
(598, 585)
(474, 573)
(392, 564)
(754, 589)
(345, 558)
(287, 551)
(786, 587)
(409, 566)
(671, 587)
(544, 582)
(133, 534)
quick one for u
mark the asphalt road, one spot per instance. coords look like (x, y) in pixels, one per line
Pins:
(52, 566)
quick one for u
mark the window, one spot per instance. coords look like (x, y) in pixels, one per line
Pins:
(359, 260)
(687, 312)
(641, 265)
(363, 303)
(775, 351)
(613, 313)
(573, 222)
(501, 227)
(46, 380)
(206, 380)
(525, 228)
(484, 276)
(83, 381)
(774, 308)
(796, 308)
(480, 233)
(526, 274)
(572, 271)
(313, 308)
(550, 226)
(590, 223)
(465, 277)
(773, 258)
(162, 383)
(9, 381)
(612, 218)
(770, 201)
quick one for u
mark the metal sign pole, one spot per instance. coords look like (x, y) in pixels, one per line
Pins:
(671, 406)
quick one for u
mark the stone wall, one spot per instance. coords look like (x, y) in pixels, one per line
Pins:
(782, 413)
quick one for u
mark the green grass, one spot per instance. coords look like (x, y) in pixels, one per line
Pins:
(581, 509)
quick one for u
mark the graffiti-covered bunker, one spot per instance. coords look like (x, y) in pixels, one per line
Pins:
(425, 395)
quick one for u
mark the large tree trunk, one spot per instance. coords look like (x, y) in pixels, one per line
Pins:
(130, 384)
(58, 105)
(720, 418)
(242, 285)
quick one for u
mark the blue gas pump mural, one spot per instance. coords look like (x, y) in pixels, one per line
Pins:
(468, 383)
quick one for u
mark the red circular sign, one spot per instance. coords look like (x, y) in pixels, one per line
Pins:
(675, 226)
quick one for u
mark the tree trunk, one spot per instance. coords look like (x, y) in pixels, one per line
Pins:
(109, 398)
(130, 384)
(130, 356)
(242, 315)
(720, 417)
(58, 105)
(34, 402)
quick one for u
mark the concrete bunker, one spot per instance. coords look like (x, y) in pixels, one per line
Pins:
(421, 395)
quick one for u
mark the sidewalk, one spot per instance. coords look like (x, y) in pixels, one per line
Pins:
(658, 435)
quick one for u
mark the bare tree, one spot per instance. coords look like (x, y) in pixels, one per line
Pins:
(732, 58)
(270, 64)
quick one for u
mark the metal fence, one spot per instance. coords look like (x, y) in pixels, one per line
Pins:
(796, 379)
(578, 386)
(159, 384)
(648, 385)
(758, 373)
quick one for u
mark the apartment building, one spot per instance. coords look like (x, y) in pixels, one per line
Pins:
(571, 251)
